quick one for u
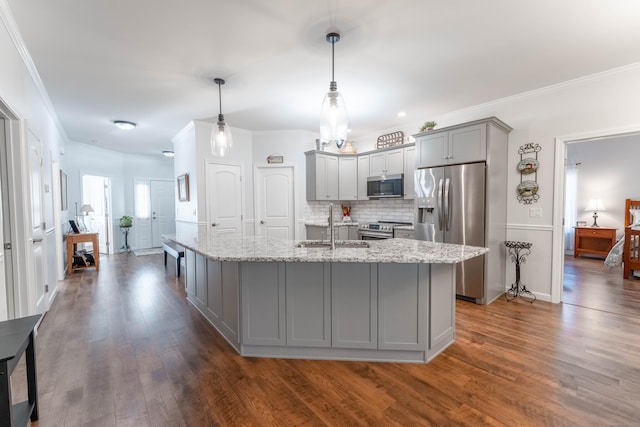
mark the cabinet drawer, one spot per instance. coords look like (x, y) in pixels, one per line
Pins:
(594, 232)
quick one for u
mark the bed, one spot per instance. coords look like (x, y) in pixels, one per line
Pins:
(631, 237)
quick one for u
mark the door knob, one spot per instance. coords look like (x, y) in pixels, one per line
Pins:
(213, 224)
(262, 221)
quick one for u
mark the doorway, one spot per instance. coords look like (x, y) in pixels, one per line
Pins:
(275, 201)
(4, 309)
(154, 211)
(593, 166)
(96, 218)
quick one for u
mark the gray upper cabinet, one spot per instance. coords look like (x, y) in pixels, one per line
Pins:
(456, 145)
(348, 176)
(322, 176)
(386, 162)
(363, 174)
(409, 172)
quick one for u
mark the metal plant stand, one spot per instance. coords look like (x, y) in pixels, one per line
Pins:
(519, 251)
(125, 247)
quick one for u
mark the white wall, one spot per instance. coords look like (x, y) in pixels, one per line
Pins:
(20, 91)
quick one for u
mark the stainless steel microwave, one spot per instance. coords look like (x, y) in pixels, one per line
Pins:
(385, 186)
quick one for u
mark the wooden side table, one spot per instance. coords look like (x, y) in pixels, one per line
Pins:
(72, 244)
(596, 241)
(16, 337)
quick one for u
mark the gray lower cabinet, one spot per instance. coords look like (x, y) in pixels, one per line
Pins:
(354, 302)
(222, 298)
(201, 282)
(442, 308)
(190, 272)
(308, 305)
(263, 303)
(316, 232)
(403, 291)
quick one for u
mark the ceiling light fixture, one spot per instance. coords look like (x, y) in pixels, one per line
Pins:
(221, 140)
(168, 153)
(333, 113)
(124, 125)
(402, 114)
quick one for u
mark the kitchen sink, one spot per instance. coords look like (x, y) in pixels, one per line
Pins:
(327, 244)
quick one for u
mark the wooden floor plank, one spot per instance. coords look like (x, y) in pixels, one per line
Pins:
(123, 347)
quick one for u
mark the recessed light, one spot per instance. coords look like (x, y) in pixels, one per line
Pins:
(124, 125)
(168, 153)
(402, 114)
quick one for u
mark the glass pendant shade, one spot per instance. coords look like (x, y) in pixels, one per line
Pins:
(221, 139)
(333, 119)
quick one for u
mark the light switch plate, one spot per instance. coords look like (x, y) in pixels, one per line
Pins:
(535, 212)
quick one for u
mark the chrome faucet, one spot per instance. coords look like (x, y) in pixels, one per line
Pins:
(333, 236)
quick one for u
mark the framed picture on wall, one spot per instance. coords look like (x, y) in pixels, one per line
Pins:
(183, 187)
(63, 191)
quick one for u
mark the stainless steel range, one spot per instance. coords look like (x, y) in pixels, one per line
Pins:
(378, 230)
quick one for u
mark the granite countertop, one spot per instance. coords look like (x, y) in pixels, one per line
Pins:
(321, 223)
(265, 249)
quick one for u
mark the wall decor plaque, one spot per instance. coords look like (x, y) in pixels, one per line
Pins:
(527, 190)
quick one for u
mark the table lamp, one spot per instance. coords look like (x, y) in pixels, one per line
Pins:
(85, 209)
(595, 206)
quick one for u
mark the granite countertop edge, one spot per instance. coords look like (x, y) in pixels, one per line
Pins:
(264, 249)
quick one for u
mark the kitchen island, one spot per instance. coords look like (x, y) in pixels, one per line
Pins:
(392, 301)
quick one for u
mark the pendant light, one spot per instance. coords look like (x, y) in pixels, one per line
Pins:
(333, 113)
(221, 141)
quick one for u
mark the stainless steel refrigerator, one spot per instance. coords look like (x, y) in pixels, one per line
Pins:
(450, 207)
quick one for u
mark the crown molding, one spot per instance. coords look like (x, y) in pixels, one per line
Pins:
(6, 16)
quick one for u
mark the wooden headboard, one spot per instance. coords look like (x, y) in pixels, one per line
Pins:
(630, 204)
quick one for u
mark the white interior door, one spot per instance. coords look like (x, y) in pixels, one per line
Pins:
(37, 290)
(224, 198)
(142, 220)
(275, 202)
(163, 220)
(96, 191)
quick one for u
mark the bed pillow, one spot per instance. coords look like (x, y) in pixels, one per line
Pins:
(635, 213)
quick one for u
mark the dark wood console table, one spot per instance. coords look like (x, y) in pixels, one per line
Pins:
(16, 337)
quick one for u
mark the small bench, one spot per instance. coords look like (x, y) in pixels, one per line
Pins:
(172, 249)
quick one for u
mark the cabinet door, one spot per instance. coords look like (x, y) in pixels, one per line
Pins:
(190, 273)
(363, 174)
(322, 191)
(468, 144)
(229, 320)
(402, 306)
(354, 302)
(332, 177)
(342, 233)
(308, 290)
(409, 172)
(377, 164)
(394, 161)
(432, 150)
(263, 303)
(214, 291)
(201, 282)
(353, 232)
(315, 232)
(348, 177)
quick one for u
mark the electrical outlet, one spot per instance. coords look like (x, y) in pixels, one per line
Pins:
(535, 212)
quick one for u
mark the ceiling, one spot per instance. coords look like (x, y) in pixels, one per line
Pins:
(151, 62)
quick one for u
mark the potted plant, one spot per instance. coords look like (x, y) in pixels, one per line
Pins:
(428, 126)
(126, 221)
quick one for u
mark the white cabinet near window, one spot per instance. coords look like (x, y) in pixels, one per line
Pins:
(348, 176)
(322, 176)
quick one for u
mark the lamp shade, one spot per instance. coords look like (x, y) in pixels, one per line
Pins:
(86, 209)
(595, 205)
(333, 118)
(221, 139)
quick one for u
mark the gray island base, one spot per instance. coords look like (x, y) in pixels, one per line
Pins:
(394, 301)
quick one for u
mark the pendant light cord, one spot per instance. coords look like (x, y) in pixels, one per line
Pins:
(220, 97)
(333, 45)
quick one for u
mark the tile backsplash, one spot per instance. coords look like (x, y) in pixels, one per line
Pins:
(364, 210)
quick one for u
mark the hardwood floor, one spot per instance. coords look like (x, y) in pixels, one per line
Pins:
(124, 348)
